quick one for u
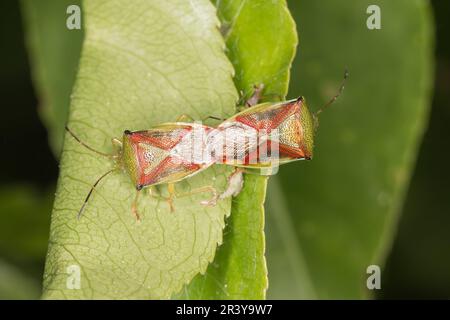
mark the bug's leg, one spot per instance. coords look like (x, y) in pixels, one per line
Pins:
(134, 209)
(185, 117)
(225, 28)
(169, 199)
(117, 146)
(173, 194)
(171, 190)
(153, 195)
(116, 143)
(214, 118)
(197, 190)
(234, 187)
(235, 182)
(203, 189)
(256, 96)
(267, 171)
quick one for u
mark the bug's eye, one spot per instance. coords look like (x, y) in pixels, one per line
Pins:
(148, 156)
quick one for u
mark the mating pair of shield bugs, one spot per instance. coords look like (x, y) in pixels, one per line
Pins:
(261, 136)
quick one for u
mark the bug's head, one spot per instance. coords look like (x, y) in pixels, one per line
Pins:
(307, 121)
(129, 157)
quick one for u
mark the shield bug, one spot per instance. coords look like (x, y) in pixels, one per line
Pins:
(265, 135)
(157, 156)
(268, 134)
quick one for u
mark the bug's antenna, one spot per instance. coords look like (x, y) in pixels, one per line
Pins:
(333, 99)
(85, 145)
(90, 192)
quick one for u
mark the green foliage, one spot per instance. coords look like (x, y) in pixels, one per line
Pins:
(15, 285)
(54, 52)
(141, 65)
(327, 219)
(261, 42)
(343, 206)
(422, 239)
(24, 222)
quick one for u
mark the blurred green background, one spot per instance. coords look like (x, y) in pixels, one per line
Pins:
(418, 264)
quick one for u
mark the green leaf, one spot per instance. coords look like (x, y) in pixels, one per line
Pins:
(54, 53)
(140, 65)
(261, 42)
(239, 267)
(343, 205)
(289, 273)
